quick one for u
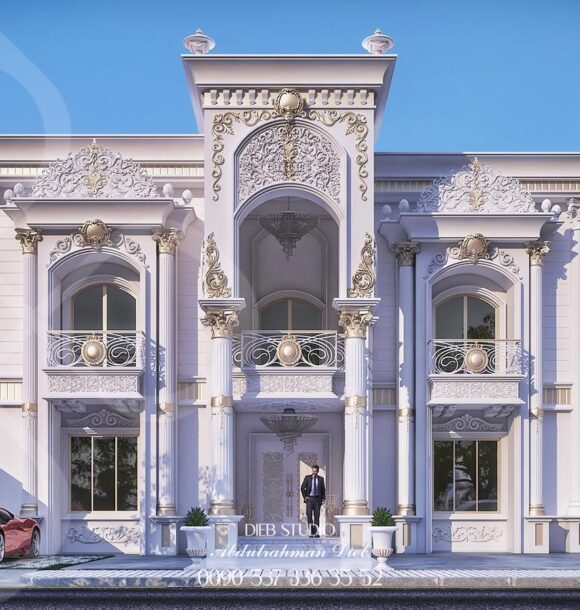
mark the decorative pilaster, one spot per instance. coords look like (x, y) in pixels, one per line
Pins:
(537, 251)
(221, 316)
(29, 241)
(167, 242)
(355, 318)
(405, 253)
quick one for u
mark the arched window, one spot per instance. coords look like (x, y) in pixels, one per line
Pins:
(465, 317)
(104, 308)
(290, 314)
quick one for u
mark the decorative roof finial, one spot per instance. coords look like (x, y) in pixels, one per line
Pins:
(198, 43)
(378, 43)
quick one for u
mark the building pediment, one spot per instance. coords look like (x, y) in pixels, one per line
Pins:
(476, 189)
(94, 173)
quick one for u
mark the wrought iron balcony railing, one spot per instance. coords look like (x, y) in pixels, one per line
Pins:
(283, 348)
(475, 357)
(94, 348)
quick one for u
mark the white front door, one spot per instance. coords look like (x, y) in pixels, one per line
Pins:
(275, 479)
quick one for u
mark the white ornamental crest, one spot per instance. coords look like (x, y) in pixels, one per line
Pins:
(479, 189)
(94, 173)
(289, 153)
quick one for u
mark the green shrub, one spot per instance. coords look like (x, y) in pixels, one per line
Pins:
(382, 517)
(196, 517)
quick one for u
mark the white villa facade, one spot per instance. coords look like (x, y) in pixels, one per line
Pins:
(420, 322)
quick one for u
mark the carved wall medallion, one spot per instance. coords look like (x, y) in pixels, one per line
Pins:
(289, 351)
(95, 233)
(356, 125)
(473, 247)
(363, 280)
(283, 153)
(215, 280)
(289, 103)
(94, 172)
(93, 351)
(476, 188)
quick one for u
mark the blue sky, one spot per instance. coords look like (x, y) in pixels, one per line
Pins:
(472, 75)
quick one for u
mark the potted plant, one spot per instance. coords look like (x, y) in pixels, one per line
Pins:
(197, 530)
(382, 530)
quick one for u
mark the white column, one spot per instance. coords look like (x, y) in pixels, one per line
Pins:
(167, 450)
(537, 251)
(29, 241)
(355, 495)
(222, 322)
(406, 396)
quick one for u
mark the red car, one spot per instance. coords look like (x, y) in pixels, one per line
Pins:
(18, 536)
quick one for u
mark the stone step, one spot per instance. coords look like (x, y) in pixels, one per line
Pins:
(290, 542)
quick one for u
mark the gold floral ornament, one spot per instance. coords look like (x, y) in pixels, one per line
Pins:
(216, 281)
(289, 103)
(474, 247)
(95, 233)
(363, 281)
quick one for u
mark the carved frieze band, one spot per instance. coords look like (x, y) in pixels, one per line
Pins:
(264, 97)
(356, 125)
(363, 280)
(93, 383)
(215, 283)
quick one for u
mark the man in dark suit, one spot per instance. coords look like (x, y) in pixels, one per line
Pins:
(314, 493)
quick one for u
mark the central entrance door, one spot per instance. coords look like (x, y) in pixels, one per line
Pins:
(275, 479)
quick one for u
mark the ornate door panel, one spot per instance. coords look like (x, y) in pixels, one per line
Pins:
(275, 479)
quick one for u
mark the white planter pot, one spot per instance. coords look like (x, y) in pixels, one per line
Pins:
(197, 539)
(383, 542)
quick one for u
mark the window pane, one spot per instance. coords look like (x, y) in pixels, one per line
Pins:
(449, 319)
(275, 317)
(104, 473)
(304, 316)
(80, 473)
(464, 475)
(487, 476)
(120, 309)
(480, 319)
(443, 475)
(88, 309)
(127, 473)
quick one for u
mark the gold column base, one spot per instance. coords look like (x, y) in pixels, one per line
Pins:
(222, 507)
(166, 510)
(355, 507)
(537, 510)
(406, 510)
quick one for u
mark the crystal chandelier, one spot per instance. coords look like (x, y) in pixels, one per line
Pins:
(288, 227)
(288, 426)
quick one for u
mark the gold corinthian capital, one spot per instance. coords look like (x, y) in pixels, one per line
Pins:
(221, 322)
(355, 323)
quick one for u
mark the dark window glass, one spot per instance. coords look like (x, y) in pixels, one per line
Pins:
(487, 484)
(464, 475)
(80, 474)
(127, 473)
(275, 317)
(103, 473)
(120, 309)
(304, 316)
(480, 319)
(443, 479)
(88, 309)
(449, 319)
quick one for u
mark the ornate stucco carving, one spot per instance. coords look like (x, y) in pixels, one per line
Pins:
(121, 534)
(104, 418)
(28, 239)
(469, 423)
(279, 384)
(467, 533)
(355, 323)
(93, 383)
(221, 323)
(293, 153)
(167, 241)
(215, 284)
(363, 280)
(405, 252)
(94, 172)
(356, 125)
(489, 390)
(476, 188)
(115, 239)
(454, 252)
(537, 250)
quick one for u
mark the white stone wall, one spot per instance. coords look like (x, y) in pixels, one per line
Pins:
(10, 301)
(11, 458)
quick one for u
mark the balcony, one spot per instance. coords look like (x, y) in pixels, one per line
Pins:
(288, 368)
(85, 363)
(478, 371)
